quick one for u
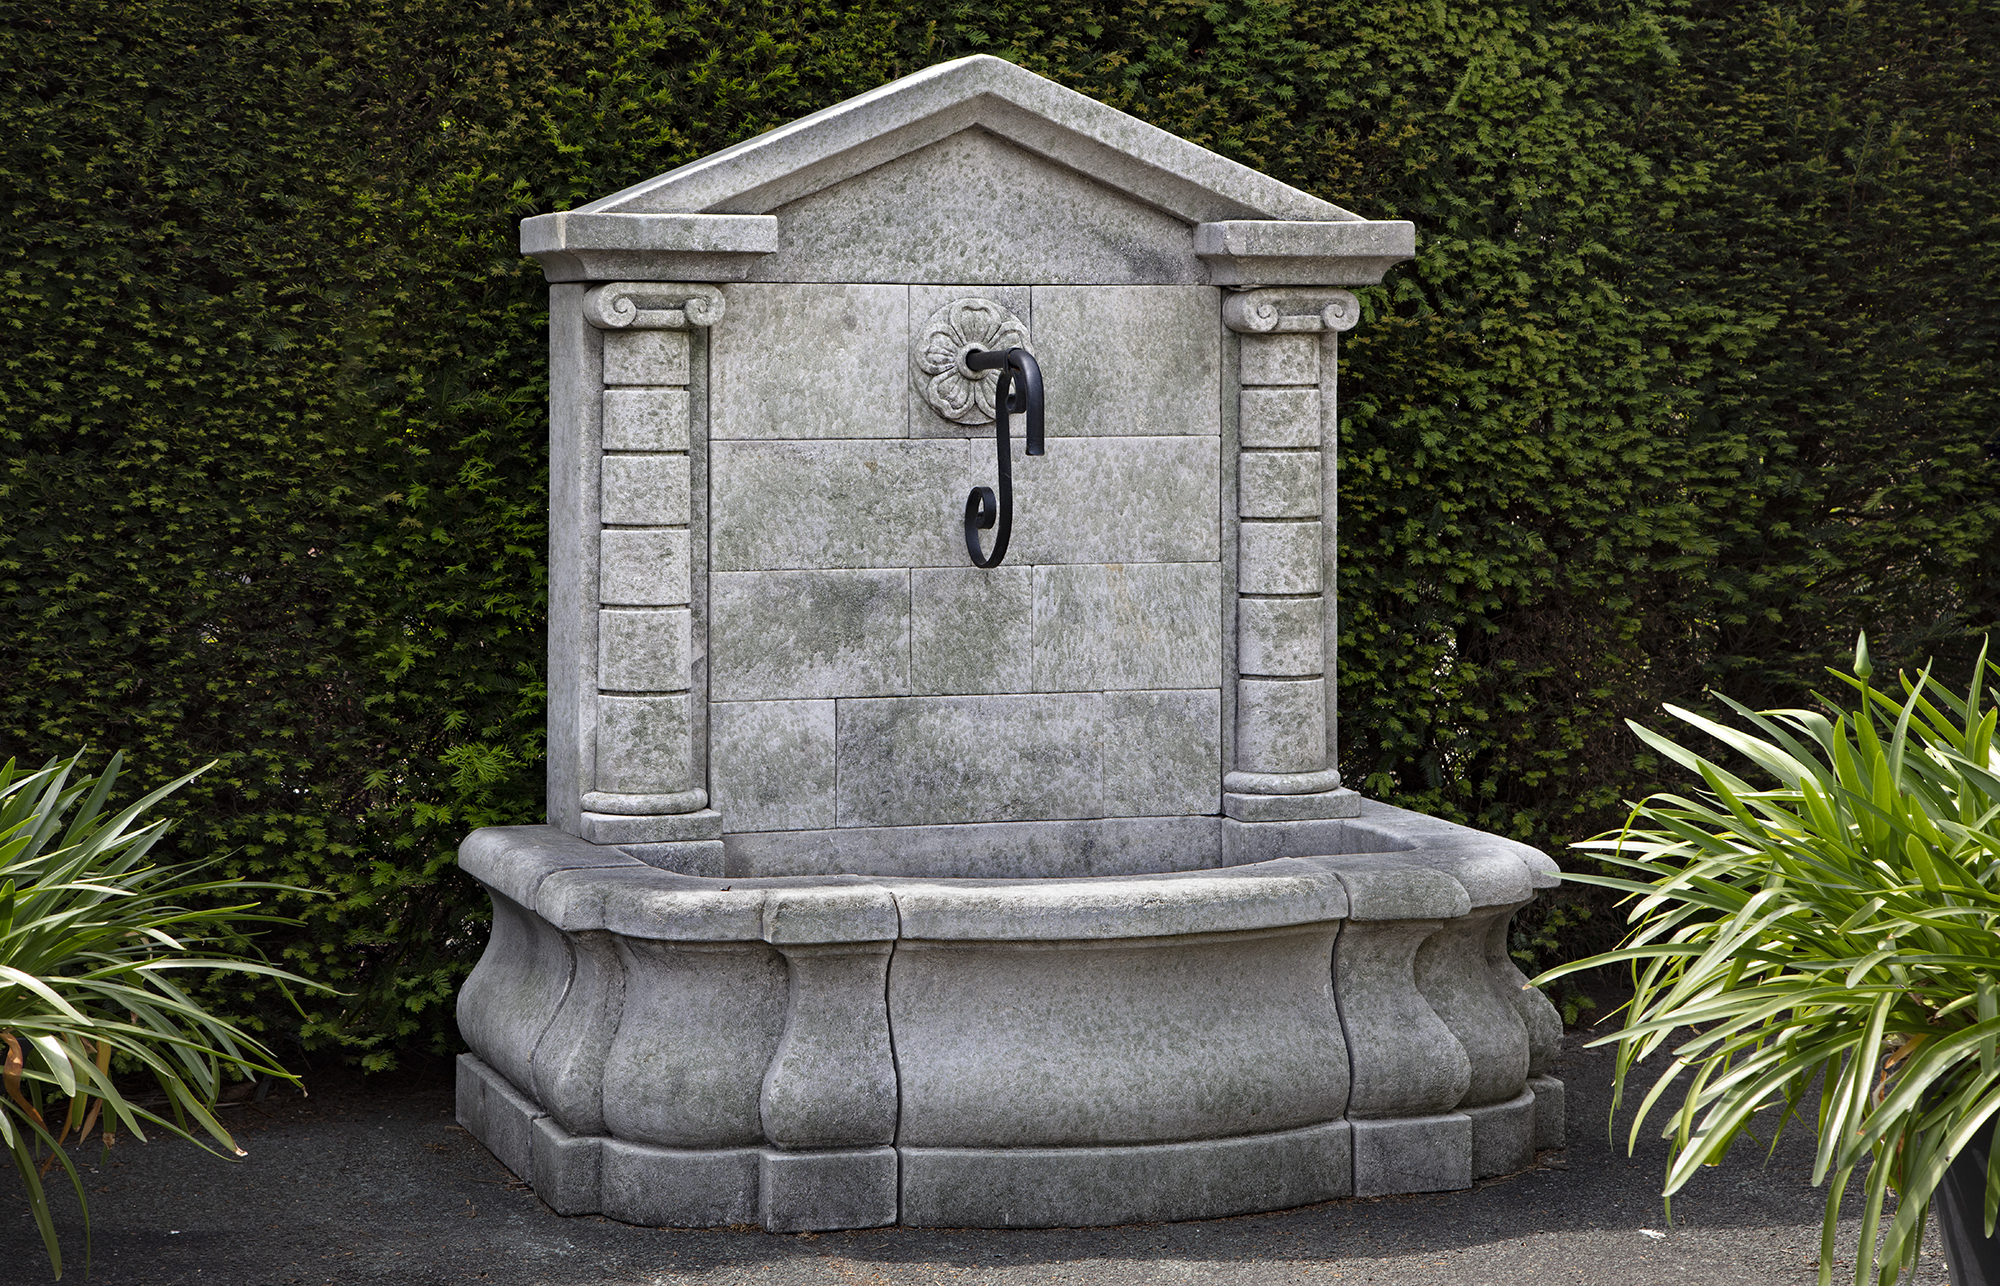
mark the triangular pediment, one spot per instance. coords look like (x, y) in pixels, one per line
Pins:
(1146, 164)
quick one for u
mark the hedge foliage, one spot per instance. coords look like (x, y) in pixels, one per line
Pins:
(1697, 373)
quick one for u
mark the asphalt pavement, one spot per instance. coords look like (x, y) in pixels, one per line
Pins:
(370, 1180)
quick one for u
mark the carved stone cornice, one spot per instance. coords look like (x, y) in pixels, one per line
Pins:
(652, 305)
(1290, 310)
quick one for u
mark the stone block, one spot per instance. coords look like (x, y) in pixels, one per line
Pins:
(1095, 1187)
(1279, 558)
(565, 1167)
(643, 568)
(646, 419)
(646, 357)
(972, 631)
(1281, 637)
(832, 1083)
(1415, 1154)
(1551, 1129)
(1162, 753)
(1279, 359)
(701, 857)
(657, 1187)
(1316, 806)
(644, 490)
(819, 1191)
(1503, 1136)
(926, 760)
(642, 745)
(1280, 725)
(1127, 626)
(1141, 360)
(643, 651)
(1276, 484)
(498, 1115)
(1406, 1061)
(811, 361)
(985, 851)
(797, 635)
(770, 764)
(1278, 417)
(514, 993)
(1452, 975)
(778, 505)
(672, 828)
(1108, 500)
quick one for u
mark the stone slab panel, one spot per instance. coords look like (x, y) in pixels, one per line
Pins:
(566, 1168)
(1127, 626)
(643, 568)
(644, 490)
(972, 631)
(672, 828)
(1278, 417)
(1141, 360)
(1095, 1187)
(498, 1115)
(1317, 806)
(1276, 484)
(986, 851)
(1503, 1136)
(1162, 753)
(646, 357)
(643, 651)
(1279, 360)
(1280, 725)
(820, 1191)
(771, 764)
(658, 1187)
(1415, 1154)
(811, 361)
(1279, 558)
(1551, 1129)
(804, 634)
(701, 857)
(926, 760)
(1281, 637)
(642, 745)
(645, 419)
(1109, 500)
(779, 505)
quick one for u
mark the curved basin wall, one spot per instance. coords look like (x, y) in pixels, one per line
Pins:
(852, 1050)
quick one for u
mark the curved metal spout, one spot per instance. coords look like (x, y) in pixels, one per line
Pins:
(982, 509)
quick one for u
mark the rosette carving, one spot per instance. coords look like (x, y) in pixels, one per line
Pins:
(951, 388)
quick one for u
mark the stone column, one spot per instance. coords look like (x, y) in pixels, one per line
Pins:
(1283, 767)
(641, 759)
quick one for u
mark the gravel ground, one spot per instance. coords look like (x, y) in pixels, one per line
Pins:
(367, 1182)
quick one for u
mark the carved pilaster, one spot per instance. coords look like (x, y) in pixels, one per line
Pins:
(1284, 765)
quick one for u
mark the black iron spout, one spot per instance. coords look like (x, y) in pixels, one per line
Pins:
(982, 510)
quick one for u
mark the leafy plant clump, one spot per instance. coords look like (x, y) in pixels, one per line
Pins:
(91, 941)
(1839, 924)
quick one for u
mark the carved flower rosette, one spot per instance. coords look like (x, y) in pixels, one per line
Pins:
(952, 389)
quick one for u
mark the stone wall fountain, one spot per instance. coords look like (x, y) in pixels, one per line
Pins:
(943, 831)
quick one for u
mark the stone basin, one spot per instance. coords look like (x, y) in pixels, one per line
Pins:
(852, 1050)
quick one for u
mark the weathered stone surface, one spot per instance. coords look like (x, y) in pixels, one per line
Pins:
(1277, 484)
(839, 504)
(1111, 500)
(811, 361)
(1093, 1187)
(1060, 1071)
(924, 760)
(1416, 1154)
(1127, 625)
(1279, 360)
(645, 419)
(512, 995)
(1278, 417)
(1162, 753)
(1452, 975)
(832, 1082)
(1141, 360)
(1550, 1131)
(658, 1187)
(646, 357)
(1279, 558)
(568, 1072)
(644, 490)
(497, 1114)
(1406, 1062)
(972, 631)
(643, 651)
(642, 567)
(1280, 725)
(642, 744)
(702, 857)
(1280, 637)
(1305, 806)
(1503, 1135)
(990, 850)
(817, 1191)
(794, 635)
(771, 764)
(925, 422)
(677, 828)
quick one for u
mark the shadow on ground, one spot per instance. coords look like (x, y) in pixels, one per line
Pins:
(367, 1183)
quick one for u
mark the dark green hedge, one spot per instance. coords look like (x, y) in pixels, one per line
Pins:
(1698, 373)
